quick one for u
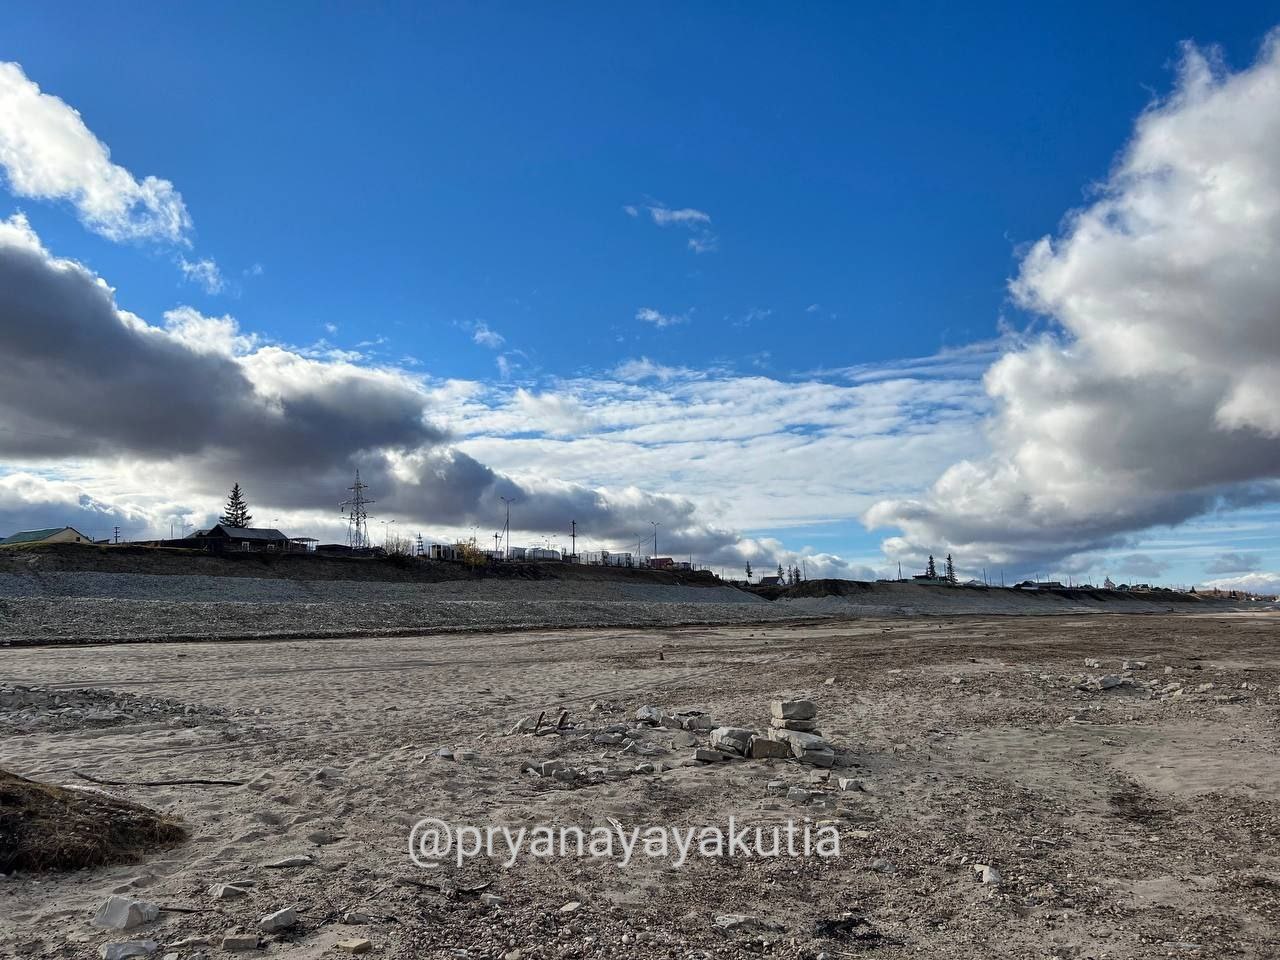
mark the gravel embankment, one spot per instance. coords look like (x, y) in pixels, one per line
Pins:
(61, 607)
(66, 607)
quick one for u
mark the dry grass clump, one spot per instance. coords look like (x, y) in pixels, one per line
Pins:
(43, 827)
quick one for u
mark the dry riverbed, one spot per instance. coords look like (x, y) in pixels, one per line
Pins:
(1121, 813)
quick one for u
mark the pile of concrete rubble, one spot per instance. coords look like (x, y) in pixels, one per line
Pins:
(792, 734)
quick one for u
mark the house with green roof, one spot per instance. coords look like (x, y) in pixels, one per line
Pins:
(51, 535)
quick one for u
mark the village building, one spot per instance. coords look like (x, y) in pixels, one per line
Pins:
(249, 539)
(51, 535)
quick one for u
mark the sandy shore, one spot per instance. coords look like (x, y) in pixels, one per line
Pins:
(1136, 821)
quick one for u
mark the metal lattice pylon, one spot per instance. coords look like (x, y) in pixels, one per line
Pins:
(357, 515)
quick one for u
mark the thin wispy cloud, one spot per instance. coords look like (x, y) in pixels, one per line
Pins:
(689, 218)
(659, 319)
(204, 272)
(485, 336)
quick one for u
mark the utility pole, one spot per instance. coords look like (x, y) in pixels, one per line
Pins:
(496, 538)
(655, 525)
(507, 527)
(573, 538)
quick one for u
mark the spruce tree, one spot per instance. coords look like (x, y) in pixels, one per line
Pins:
(237, 512)
(748, 571)
(931, 571)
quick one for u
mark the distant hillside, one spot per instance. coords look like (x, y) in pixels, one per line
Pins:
(855, 597)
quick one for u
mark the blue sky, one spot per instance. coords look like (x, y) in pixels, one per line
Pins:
(751, 197)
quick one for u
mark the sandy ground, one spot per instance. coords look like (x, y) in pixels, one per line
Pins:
(1138, 821)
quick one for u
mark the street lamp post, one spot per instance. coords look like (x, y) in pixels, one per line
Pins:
(655, 526)
(507, 528)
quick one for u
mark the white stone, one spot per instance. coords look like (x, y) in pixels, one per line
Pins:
(649, 713)
(129, 948)
(987, 874)
(124, 913)
(280, 920)
(793, 709)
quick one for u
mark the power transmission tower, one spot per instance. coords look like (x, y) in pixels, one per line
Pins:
(357, 515)
(115, 537)
(419, 548)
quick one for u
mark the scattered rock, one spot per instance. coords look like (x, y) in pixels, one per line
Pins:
(987, 874)
(356, 945)
(766, 747)
(709, 756)
(699, 721)
(793, 709)
(732, 740)
(808, 726)
(289, 863)
(227, 891)
(129, 948)
(235, 942)
(649, 714)
(524, 725)
(124, 913)
(1093, 663)
(280, 920)
(573, 906)
(806, 747)
(744, 921)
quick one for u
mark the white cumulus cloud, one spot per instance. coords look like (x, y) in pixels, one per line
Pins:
(1156, 396)
(48, 152)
